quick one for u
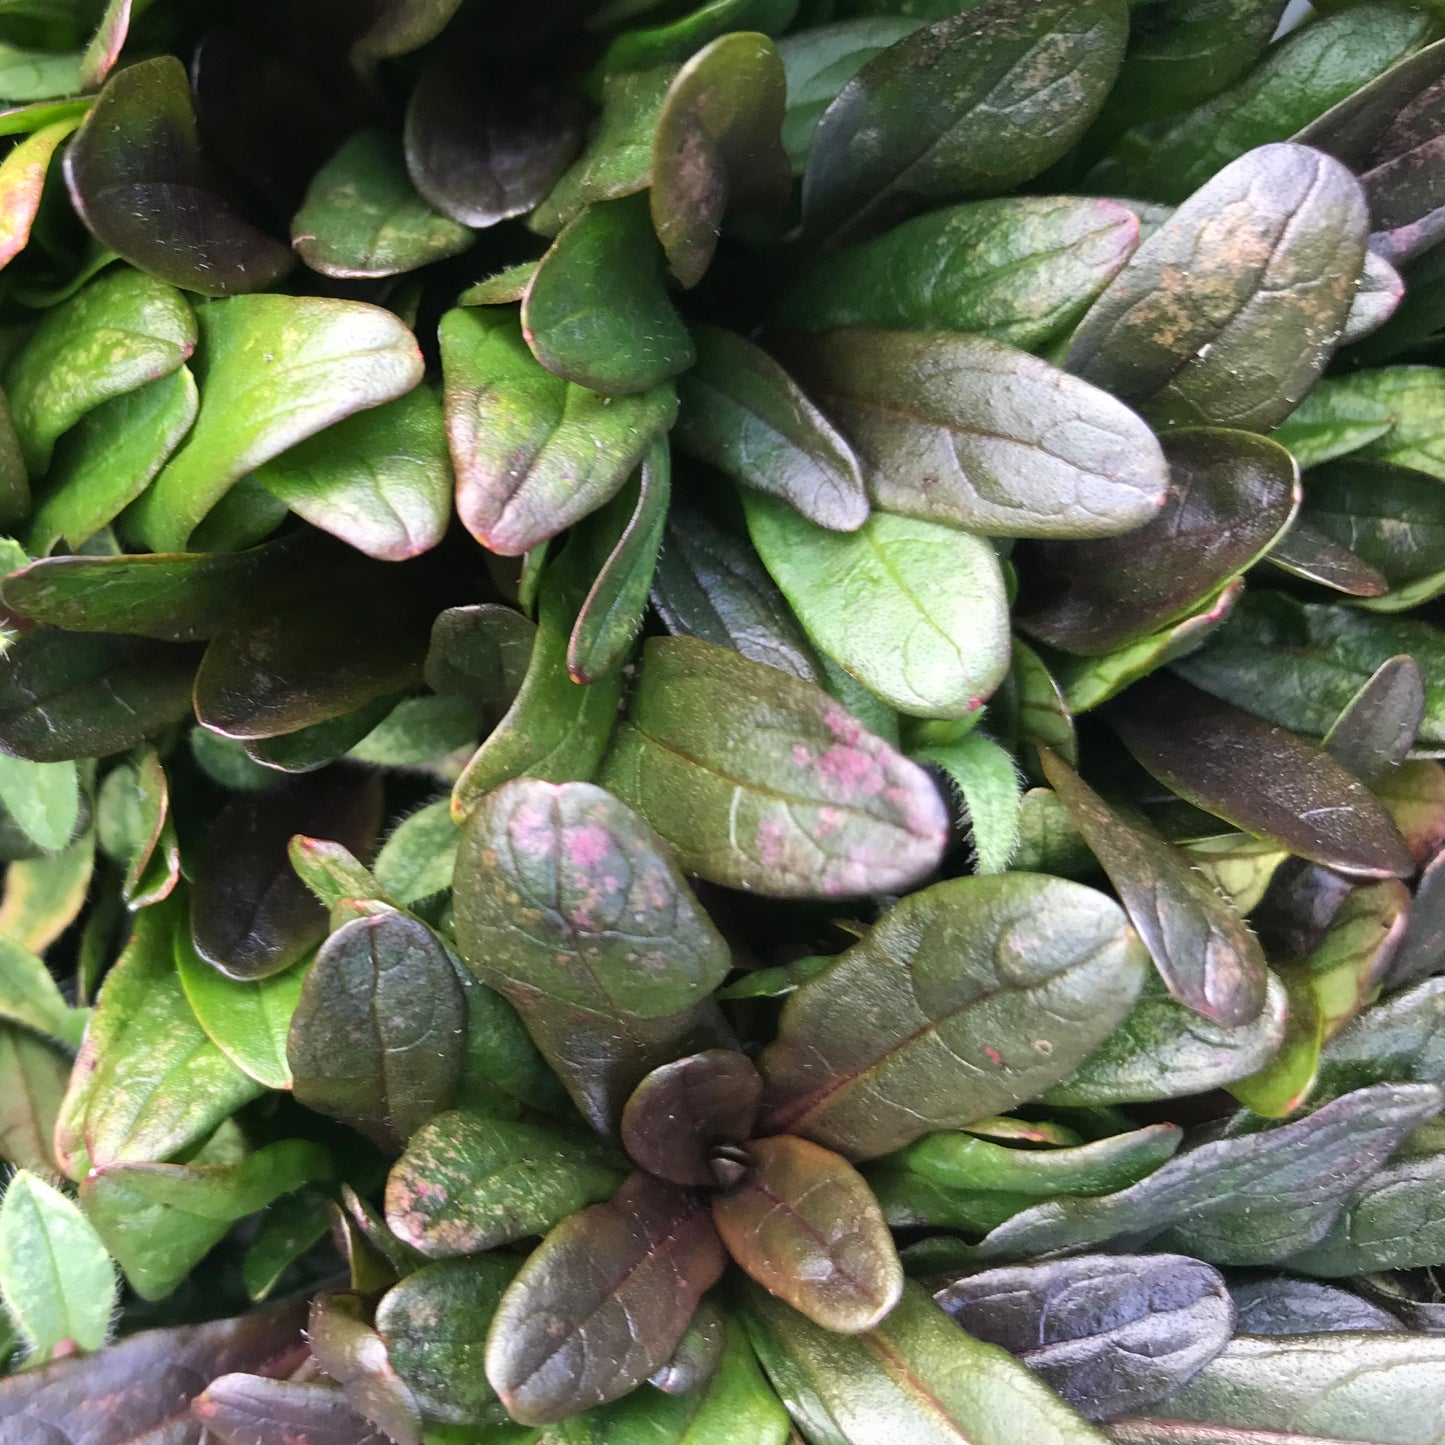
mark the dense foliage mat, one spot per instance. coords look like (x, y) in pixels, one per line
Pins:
(722, 726)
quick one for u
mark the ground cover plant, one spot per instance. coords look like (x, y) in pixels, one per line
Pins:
(722, 725)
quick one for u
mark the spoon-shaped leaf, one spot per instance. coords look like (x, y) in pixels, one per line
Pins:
(533, 453)
(1204, 951)
(972, 105)
(742, 413)
(237, 1407)
(1228, 313)
(802, 1222)
(966, 999)
(1259, 778)
(838, 812)
(963, 430)
(273, 371)
(138, 180)
(603, 1301)
(914, 610)
(567, 903)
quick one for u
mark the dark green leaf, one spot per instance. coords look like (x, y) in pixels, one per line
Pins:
(137, 178)
(916, 1380)
(603, 1302)
(82, 694)
(972, 105)
(966, 999)
(1243, 1200)
(1111, 1334)
(250, 914)
(547, 877)
(1228, 313)
(611, 615)
(1230, 495)
(119, 333)
(377, 1038)
(1259, 778)
(596, 311)
(717, 147)
(1205, 952)
(251, 1410)
(967, 431)
(1402, 1037)
(1341, 415)
(380, 480)
(361, 216)
(1375, 730)
(842, 813)
(533, 453)
(914, 610)
(1163, 1050)
(684, 1110)
(273, 370)
(1020, 270)
(480, 653)
(434, 1325)
(991, 790)
(955, 1181)
(160, 1220)
(699, 1355)
(353, 1354)
(401, 26)
(742, 413)
(467, 1183)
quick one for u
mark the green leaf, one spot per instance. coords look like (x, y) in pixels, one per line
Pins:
(467, 1183)
(22, 183)
(381, 480)
(376, 1039)
(138, 180)
(1163, 1050)
(1285, 1082)
(1109, 1333)
(1249, 1199)
(1374, 732)
(596, 311)
(43, 896)
(362, 217)
(43, 799)
(556, 728)
(37, 74)
(81, 694)
(33, 1078)
(820, 60)
(56, 1280)
(352, 1353)
(971, 105)
(966, 999)
(30, 997)
(1300, 664)
(1349, 965)
(1341, 415)
(546, 877)
(289, 1229)
(1385, 1389)
(122, 331)
(1274, 784)
(677, 40)
(717, 148)
(246, 1021)
(134, 803)
(1230, 495)
(803, 1224)
(418, 860)
(533, 453)
(273, 370)
(480, 653)
(1230, 311)
(175, 597)
(841, 813)
(1021, 270)
(251, 916)
(683, 1113)
(110, 457)
(742, 413)
(710, 584)
(1299, 79)
(161, 1220)
(630, 527)
(1205, 952)
(955, 1181)
(1402, 1037)
(331, 872)
(972, 433)
(434, 1325)
(914, 610)
(603, 1302)
(916, 1380)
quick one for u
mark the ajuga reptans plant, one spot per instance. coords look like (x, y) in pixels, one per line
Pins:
(722, 725)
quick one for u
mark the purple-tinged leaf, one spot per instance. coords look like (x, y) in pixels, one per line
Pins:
(252, 1410)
